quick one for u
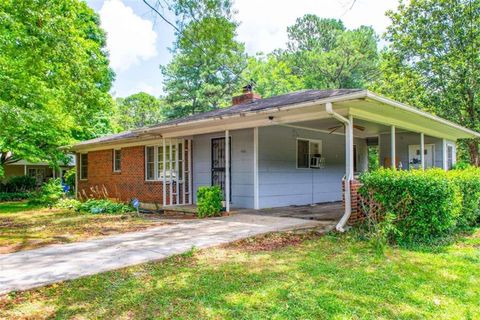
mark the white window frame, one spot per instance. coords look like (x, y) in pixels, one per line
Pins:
(156, 160)
(454, 154)
(432, 145)
(80, 171)
(320, 142)
(114, 151)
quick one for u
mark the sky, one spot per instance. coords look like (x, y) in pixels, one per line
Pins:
(138, 42)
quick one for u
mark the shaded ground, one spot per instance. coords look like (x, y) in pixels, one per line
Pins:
(32, 268)
(23, 226)
(331, 277)
(330, 211)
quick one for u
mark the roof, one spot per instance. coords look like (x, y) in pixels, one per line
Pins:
(257, 105)
(264, 104)
(290, 100)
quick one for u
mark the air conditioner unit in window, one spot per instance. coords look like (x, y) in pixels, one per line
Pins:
(316, 161)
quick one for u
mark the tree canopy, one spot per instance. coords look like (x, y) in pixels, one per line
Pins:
(138, 110)
(207, 59)
(272, 75)
(327, 55)
(55, 78)
(433, 60)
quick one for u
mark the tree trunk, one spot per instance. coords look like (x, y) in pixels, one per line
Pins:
(473, 150)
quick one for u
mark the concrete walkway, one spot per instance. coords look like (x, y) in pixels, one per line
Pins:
(32, 268)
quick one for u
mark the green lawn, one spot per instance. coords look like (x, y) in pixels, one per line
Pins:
(331, 277)
(23, 226)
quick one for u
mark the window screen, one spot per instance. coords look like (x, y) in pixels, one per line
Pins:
(84, 166)
(117, 160)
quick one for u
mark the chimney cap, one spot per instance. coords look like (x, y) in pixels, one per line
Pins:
(249, 86)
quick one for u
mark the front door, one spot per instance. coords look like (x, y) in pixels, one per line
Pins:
(218, 163)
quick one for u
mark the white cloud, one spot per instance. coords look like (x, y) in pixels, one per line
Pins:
(264, 23)
(130, 38)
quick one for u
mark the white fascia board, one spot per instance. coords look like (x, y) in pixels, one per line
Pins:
(470, 133)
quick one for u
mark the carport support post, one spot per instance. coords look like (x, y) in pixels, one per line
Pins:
(392, 148)
(256, 204)
(227, 171)
(444, 154)
(422, 150)
(164, 187)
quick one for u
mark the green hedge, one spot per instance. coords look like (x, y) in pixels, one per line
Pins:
(14, 196)
(468, 183)
(421, 205)
(209, 201)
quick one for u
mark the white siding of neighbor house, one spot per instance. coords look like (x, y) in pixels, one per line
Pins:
(282, 184)
(403, 140)
(242, 165)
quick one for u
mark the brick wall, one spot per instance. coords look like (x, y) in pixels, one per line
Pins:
(357, 214)
(125, 185)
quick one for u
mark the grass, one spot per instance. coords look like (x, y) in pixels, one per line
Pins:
(277, 276)
(23, 226)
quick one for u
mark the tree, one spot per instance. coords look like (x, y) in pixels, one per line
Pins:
(327, 55)
(207, 61)
(138, 110)
(55, 78)
(433, 59)
(272, 76)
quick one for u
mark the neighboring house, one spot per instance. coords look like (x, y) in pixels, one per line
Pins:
(41, 171)
(293, 149)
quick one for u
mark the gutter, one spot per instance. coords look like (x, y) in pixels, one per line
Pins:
(348, 172)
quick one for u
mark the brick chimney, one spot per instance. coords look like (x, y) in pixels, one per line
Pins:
(247, 96)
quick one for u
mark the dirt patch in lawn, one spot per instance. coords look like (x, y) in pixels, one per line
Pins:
(273, 241)
(30, 229)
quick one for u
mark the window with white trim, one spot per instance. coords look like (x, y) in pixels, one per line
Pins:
(171, 162)
(309, 153)
(84, 166)
(117, 160)
(450, 156)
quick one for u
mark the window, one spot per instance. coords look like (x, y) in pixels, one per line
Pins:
(309, 153)
(450, 160)
(415, 157)
(83, 166)
(117, 160)
(173, 164)
(150, 163)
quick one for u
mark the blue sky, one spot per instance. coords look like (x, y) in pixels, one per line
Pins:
(138, 41)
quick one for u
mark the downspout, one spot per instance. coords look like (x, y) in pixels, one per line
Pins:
(348, 174)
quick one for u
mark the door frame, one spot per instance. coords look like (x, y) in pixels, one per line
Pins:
(230, 162)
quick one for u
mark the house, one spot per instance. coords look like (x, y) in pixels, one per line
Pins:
(292, 149)
(41, 171)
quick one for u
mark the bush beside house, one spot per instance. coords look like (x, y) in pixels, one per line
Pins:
(209, 201)
(420, 206)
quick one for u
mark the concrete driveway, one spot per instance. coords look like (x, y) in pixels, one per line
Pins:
(32, 268)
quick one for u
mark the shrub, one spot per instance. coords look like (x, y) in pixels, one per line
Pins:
(424, 205)
(49, 193)
(468, 182)
(14, 196)
(104, 206)
(209, 201)
(19, 184)
(68, 203)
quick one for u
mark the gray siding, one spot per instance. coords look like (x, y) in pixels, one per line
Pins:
(282, 184)
(402, 141)
(242, 165)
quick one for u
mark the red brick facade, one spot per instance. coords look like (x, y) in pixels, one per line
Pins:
(357, 214)
(125, 185)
